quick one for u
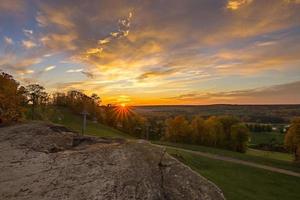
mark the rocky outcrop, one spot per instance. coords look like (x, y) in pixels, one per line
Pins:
(45, 161)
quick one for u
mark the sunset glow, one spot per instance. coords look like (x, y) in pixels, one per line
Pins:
(122, 112)
(156, 52)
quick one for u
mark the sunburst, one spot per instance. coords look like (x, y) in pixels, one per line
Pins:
(123, 111)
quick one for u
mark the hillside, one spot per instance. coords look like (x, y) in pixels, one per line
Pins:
(65, 117)
(46, 161)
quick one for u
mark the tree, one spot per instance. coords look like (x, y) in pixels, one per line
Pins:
(177, 129)
(110, 115)
(12, 99)
(36, 96)
(59, 99)
(96, 102)
(239, 137)
(198, 130)
(292, 138)
(135, 125)
(228, 122)
(214, 132)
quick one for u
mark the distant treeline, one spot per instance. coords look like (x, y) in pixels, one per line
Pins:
(266, 114)
(223, 132)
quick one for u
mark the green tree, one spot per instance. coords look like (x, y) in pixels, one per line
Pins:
(292, 138)
(36, 96)
(227, 122)
(96, 103)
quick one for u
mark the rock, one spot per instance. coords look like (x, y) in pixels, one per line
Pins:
(44, 161)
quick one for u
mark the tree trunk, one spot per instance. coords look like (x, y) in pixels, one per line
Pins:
(297, 155)
(32, 109)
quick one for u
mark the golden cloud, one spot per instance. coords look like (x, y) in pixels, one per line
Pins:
(28, 44)
(236, 4)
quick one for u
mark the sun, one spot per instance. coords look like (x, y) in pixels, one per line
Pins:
(122, 111)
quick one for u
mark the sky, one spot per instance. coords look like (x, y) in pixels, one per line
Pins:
(151, 52)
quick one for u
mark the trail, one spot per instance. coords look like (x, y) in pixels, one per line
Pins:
(237, 161)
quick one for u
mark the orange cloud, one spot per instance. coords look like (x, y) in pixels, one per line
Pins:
(236, 4)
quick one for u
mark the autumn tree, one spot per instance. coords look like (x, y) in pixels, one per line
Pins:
(292, 138)
(214, 132)
(177, 129)
(197, 130)
(36, 96)
(12, 99)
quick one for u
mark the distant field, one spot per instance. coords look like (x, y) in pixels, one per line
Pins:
(275, 159)
(74, 122)
(239, 182)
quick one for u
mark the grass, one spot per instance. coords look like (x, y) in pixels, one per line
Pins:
(275, 159)
(239, 182)
(270, 155)
(266, 138)
(64, 117)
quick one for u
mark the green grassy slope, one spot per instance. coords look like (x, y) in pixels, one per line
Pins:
(64, 117)
(275, 159)
(239, 182)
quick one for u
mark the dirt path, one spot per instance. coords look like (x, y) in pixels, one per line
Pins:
(238, 161)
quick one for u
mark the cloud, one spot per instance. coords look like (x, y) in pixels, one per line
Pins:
(123, 31)
(28, 33)
(154, 74)
(12, 6)
(159, 47)
(151, 39)
(49, 68)
(49, 15)
(17, 64)
(267, 43)
(74, 70)
(8, 40)
(88, 74)
(28, 44)
(275, 94)
(236, 4)
(59, 42)
(292, 1)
